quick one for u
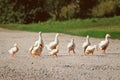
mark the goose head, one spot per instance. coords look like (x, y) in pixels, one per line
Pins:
(16, 44)
(40, 33)
(87, 36)
(107, 36)
(57, 34)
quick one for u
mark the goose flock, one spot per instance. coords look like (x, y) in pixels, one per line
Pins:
(53, 47)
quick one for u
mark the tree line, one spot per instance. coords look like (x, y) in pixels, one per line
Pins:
(33, 11)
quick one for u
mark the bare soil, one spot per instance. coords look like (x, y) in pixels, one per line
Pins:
(64, 67)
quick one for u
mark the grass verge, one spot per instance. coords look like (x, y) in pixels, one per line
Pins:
(95, 27)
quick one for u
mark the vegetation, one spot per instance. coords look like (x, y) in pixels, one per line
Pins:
(76, 17)
(95, 27)
(34, 11)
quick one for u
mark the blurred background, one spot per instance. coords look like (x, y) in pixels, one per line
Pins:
(29, 11)
(76, 17)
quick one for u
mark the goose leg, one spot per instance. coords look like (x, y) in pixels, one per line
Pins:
(13, 56)
(52, 55)
(69, 52)
(56, 54)
(104, 51)
(73, 51)
(93, 54)
(85, 54)
(32, 55)
(39, 55)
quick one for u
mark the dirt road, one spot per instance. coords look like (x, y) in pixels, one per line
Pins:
(64, 67)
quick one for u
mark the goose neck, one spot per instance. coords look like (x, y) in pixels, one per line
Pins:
(87, 40)
(56, 38)
(106, 38)
(40, 37)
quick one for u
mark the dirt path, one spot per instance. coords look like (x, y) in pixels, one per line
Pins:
(74, 67)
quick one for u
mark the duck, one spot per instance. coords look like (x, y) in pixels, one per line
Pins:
(90, 49)
(52, 45)
(40, 40)
(86, 43)
(54, 52)
(71, 46)
(35, 50)
(104, 44)
(14, 50)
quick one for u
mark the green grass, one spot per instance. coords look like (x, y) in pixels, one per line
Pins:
(95, 27)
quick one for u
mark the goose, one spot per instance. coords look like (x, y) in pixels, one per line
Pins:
(40, 40)
(14, 50)
(71, 46)
(90, 49)
(35, 50)
(104, 44)
(54, 52)
(53, 44)
(86, 43)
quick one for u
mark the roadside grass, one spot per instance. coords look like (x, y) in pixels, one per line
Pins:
(95, 27)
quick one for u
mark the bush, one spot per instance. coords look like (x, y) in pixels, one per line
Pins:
(68, 12)
(104, 8)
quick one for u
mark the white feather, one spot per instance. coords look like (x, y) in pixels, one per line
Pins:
(104, 43)
(52, 45)
(86, 43)
(13, 49)
(40, 41)
(71, 45)
(54, 51)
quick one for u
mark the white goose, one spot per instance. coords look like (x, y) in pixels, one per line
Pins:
(14, 50)
(35, 50)
(86, 43)
(90, 49)
(71, 46)
(104, 44)
(40, 40)
(53, 44)
(54, 52)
